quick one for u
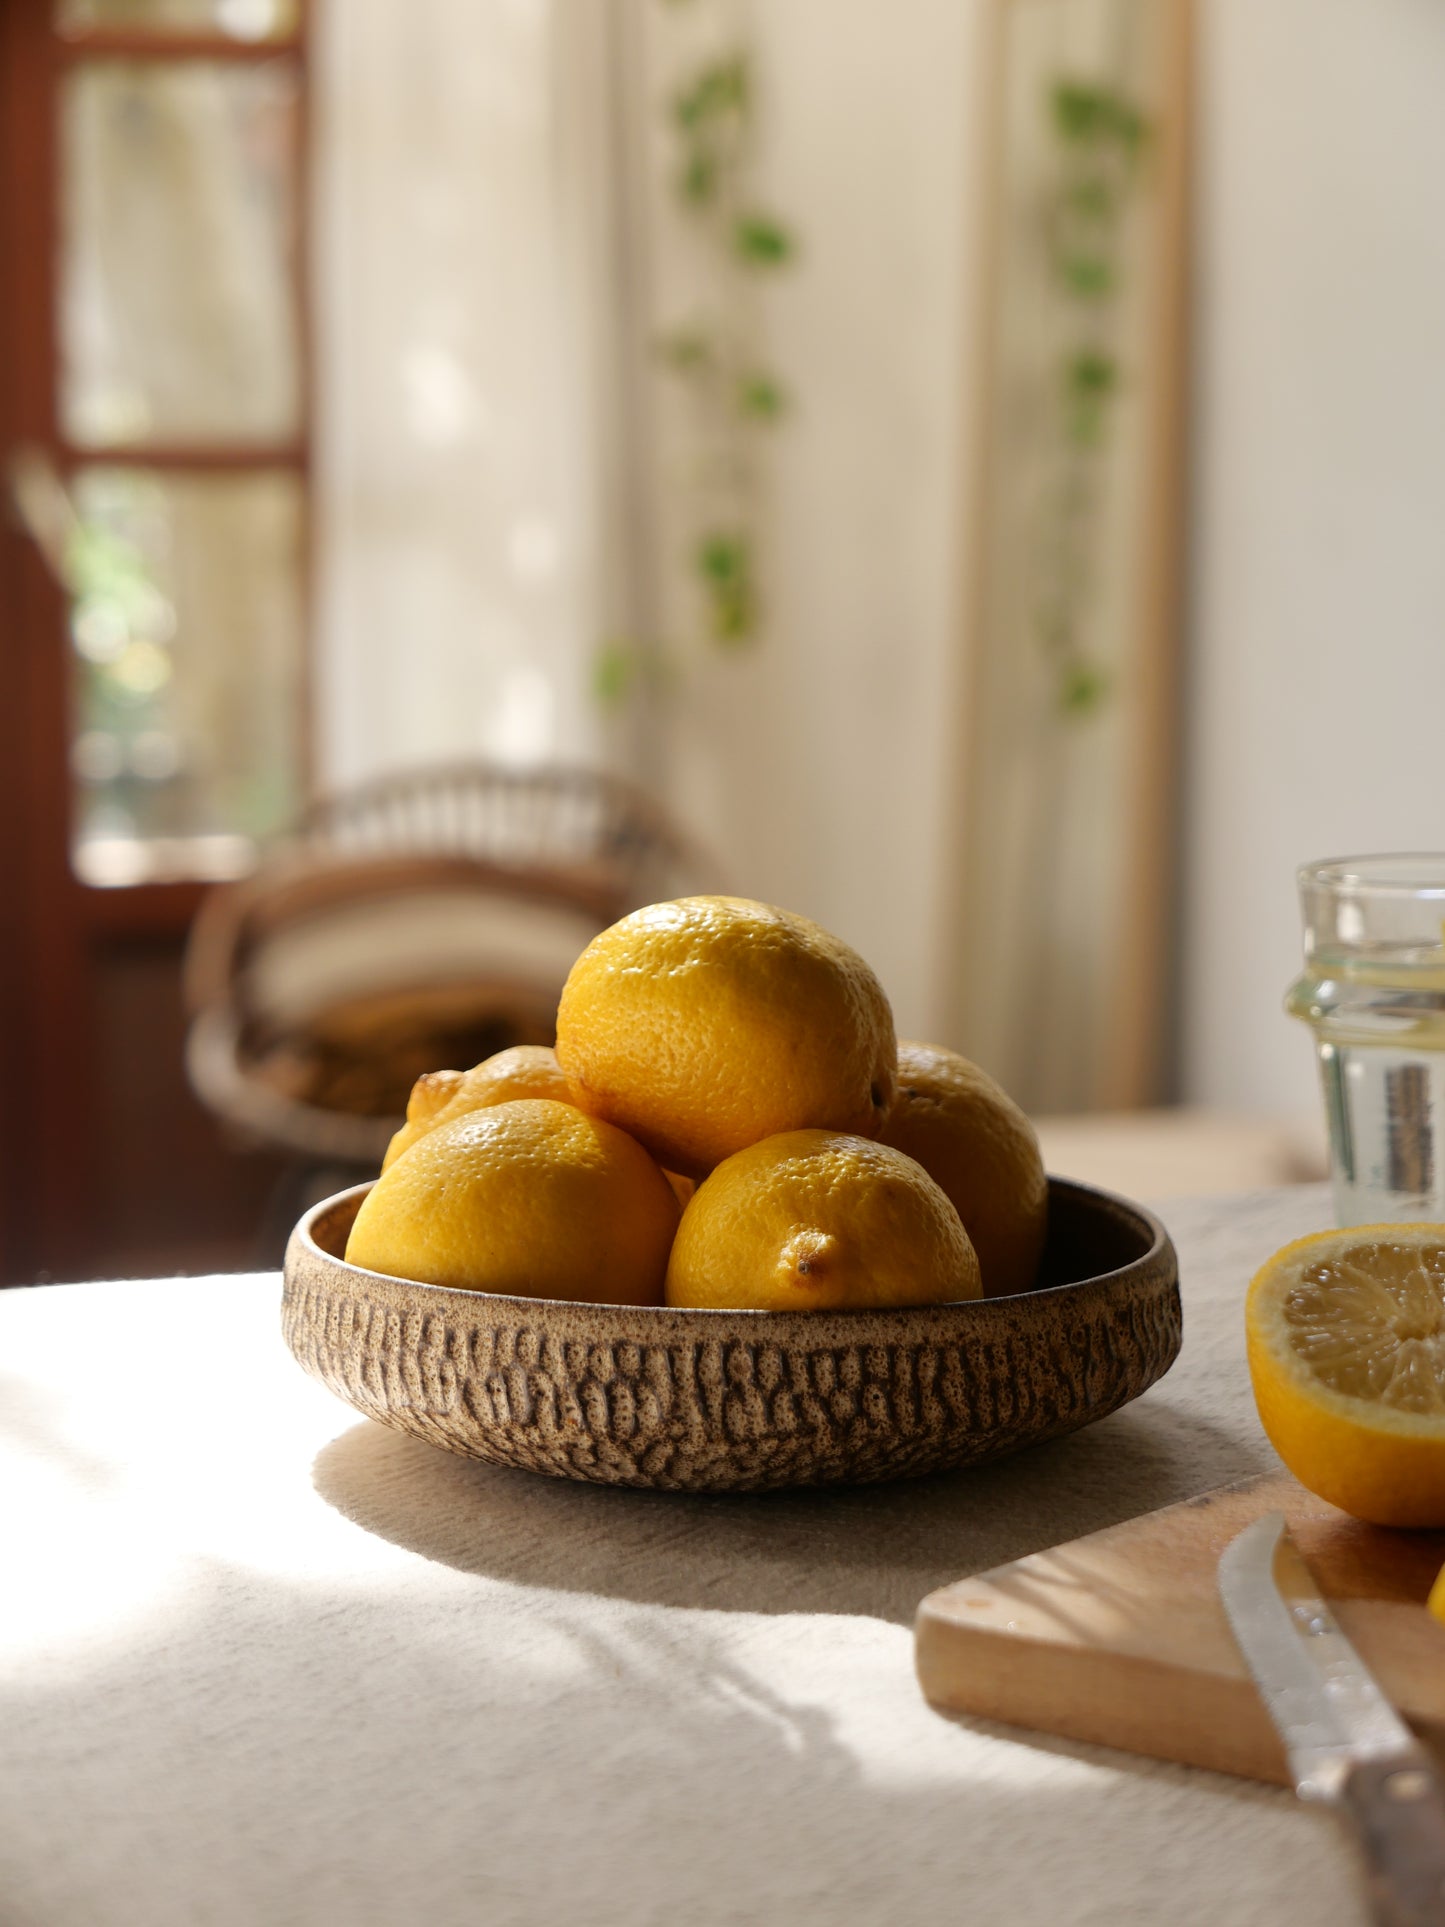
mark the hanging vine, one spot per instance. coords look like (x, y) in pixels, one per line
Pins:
(715, 354)
(1100, 136)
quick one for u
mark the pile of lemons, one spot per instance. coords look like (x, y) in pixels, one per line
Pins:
(728, 1120)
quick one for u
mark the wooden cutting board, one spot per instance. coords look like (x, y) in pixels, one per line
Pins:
(1120, 1638)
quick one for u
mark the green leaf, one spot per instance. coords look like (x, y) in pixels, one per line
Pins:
(723, 559)
(717, 91)
(735, 621)
(762, 241)
(1078, 110)
(698, 181)
(687, 351)
(1091, 276)
(761, 398)
(1084, 688)
(734, 615)
(614, 672)
(1092, 199)
(1130, 128)
(725, 564)
(1091, 372)
(1088, 115)
(1091, 378)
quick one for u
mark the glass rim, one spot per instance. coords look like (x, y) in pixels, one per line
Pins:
(1405, 873)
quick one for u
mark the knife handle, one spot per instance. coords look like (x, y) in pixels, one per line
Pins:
(1398, 1805)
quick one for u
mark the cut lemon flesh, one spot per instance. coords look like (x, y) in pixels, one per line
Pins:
(1346, 1338)
(1370, 1322)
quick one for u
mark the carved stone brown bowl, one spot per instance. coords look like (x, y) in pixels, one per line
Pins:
(738, 1401)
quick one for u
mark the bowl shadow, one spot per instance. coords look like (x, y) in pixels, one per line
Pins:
(873, 1550)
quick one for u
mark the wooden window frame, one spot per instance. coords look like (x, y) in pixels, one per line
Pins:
(42, 50)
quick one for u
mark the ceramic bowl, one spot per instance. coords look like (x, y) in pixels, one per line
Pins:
(739, 1401)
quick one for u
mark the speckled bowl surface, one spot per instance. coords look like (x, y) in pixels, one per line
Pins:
(739, 1401)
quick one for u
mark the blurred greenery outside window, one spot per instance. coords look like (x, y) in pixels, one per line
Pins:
(186, 622)
(179, 335)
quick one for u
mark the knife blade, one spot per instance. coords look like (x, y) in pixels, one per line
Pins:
(1346, 1744)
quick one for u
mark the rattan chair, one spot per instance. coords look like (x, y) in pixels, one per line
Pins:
(420, 920)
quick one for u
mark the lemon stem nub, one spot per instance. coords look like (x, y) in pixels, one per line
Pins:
(431, 1091)
(809, 1256)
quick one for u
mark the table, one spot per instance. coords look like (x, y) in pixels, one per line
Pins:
(264, 1662)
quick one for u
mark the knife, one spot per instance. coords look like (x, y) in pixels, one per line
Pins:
(1347, 1745)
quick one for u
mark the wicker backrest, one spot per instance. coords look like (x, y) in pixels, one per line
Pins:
(428, 913)
(547, 818)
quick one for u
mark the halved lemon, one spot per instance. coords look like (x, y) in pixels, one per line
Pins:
(1346, 1339)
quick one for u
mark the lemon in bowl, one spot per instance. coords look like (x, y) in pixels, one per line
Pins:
(530, 1198)
(819, 1220)
(440, 1097)
(706, 1024)
(975, 1142)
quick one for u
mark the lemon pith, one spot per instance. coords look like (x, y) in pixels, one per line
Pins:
(1346, 1341)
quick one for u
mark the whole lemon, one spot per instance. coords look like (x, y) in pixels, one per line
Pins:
(708, 1023)
(819, 1220)
(531, 1197)
(437, 1097)
(970, 1136)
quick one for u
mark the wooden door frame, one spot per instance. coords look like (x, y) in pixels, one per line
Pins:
(50, 922)
(42, 1129)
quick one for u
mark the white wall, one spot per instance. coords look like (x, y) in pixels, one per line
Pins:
(1317, 685)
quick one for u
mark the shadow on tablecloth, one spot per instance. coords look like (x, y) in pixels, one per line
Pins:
(870, 1550)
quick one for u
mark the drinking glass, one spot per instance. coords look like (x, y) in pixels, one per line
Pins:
(1373, 991)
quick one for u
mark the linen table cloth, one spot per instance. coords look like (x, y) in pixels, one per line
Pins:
(263, 1661)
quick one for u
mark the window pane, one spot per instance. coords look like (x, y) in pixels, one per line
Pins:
(177, 299)
(187, 630)
(237, 19)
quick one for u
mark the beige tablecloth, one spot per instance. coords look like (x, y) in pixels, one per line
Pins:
(261, 1661)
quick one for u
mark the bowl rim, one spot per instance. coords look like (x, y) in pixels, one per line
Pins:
(303, 1234)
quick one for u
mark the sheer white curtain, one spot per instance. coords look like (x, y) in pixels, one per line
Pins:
(458, 592)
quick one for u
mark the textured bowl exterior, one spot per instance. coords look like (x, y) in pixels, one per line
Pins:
(736, 1401)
